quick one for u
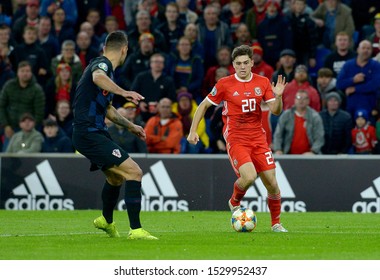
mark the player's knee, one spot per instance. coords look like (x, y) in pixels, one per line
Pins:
(248, 180)
(115, 180)
(135, 174)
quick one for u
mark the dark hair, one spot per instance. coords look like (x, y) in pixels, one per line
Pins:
(116, 40)
(23, 64)
(325, 72)
(242, 50)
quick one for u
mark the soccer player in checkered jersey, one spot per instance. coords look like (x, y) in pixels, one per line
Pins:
(247, 148)
(92, 104)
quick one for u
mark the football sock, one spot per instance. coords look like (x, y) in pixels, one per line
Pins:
(133, 202)
(110, 195)
(274, 204)
(237, 195)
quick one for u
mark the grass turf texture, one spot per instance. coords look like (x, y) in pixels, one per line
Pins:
(70, 235)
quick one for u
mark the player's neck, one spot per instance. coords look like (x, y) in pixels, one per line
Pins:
(114, 58)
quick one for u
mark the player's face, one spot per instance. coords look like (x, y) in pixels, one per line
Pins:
(243, 65)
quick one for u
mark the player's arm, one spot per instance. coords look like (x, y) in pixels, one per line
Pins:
(193, 137)
(114, 116)
(278, 89)
(101, 79)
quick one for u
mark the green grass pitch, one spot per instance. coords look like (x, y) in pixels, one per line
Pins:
(196, 235)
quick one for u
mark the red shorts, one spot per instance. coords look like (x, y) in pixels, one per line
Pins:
(259, 154)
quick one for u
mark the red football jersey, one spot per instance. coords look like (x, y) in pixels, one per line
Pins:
(242, 112)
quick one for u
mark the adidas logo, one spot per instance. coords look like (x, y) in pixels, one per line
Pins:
(371, 193)
(159, 193)
(38, 190)
(259, 192)
(235, 93)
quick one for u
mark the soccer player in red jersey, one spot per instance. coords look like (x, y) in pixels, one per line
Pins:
(247, 148)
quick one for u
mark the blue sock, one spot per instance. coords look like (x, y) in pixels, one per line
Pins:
(133, 202)
(110, 195)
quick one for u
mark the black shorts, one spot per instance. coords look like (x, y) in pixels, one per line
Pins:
(100, 149)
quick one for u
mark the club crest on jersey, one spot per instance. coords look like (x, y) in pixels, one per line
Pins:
(116, 153)
(213, 91)
(235, 162)
(257, 91)
(103, 66)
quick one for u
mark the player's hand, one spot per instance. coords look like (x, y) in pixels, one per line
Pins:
(133, 96)
(278, 89)
(138, 131)
(193, 138)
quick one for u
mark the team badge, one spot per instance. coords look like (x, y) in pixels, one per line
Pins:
(258, 91)
(116, 153)
(213, 91)
(235, 162)
(103, 66)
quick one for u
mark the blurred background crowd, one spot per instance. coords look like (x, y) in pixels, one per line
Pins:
(328, 50)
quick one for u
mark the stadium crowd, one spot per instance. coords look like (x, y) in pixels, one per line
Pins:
(328, 50)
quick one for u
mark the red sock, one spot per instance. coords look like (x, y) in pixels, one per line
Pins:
(237, 195)
(274, 204)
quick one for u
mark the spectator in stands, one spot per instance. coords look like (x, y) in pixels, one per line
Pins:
(68, 56)
(143, 25)
(213, 33)
(224, 60)
(305, 36)
(186, 14)
(85, 50)
(337, 124)
(59, 87)
(55, 140)
(191, 32)
(326, 83)
(154, 85)
(164, 130)
(255, 16)
(93, 17)
(301, 81)
(172, 28)
(287, 65)
(363, 12)
(332, 17)
(185, 108)
(28, 139)
(6, 72)
(336, 59)
(46, 40)
(84, 6)
(235, 16)
(5, 13)
(274, 33)
(30, 18)
(299, 129)
(137, 62)
(115, 8)
(62, 29)
(260, 67)
(359, 79)
(186, 69)
(111, 25)
(48, 8)
(94, 40)
(64, 117)
(32, 52)
(374, 38)
(242, 35)
(155, 10)
(128, 141)
(364, 134)
(6, 44)
(18, 96)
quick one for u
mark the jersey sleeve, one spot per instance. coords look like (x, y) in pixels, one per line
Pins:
(216, 96)
(100, 64)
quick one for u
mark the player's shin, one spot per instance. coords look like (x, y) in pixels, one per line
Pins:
(133, 202)
(274, 205)
(110, 195)
(237, 194)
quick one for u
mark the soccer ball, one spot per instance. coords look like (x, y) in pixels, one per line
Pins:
(244, 220)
